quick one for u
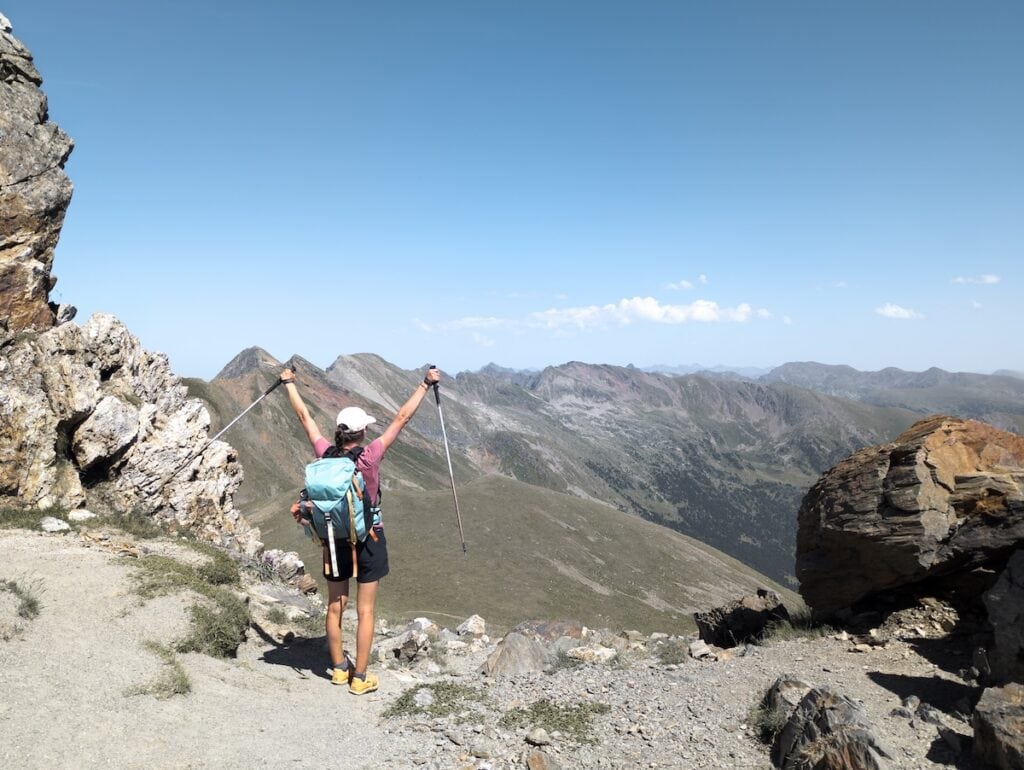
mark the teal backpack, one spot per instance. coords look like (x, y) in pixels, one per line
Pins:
(336, 504)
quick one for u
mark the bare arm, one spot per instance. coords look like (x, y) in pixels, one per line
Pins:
(409, 408)
(312, 431)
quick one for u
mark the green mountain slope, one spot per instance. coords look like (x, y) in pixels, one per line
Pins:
(724, 460)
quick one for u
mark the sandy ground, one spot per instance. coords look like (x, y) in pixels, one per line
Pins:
(67, 678)
(68, 682)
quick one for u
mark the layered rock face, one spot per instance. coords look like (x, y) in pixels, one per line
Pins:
(34, 190)
(86, 415)
(947, 495)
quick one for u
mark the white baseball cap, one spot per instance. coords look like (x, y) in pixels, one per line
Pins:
(354, 419)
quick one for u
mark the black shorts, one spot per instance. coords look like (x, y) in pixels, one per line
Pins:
(371, 558)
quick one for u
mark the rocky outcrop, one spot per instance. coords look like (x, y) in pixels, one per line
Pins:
(825, 730)
(34, 190)
(999, 727)
(742, 620)
(89, 417)
(947, 495)
(1005, 604)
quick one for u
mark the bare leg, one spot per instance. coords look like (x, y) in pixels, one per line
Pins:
(366, 598)
(337, 598)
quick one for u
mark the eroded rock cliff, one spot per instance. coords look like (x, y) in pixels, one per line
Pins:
(947, 495)
(34, 190)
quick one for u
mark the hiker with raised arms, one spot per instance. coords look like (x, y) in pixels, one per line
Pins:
(367, 559)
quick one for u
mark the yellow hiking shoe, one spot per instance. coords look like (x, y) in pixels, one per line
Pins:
(344, 675)
(358, 686)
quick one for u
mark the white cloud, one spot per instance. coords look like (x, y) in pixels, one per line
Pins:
(702, 278)
(482, 341)
(423, 326)
(787, 320)
(889, 310)
(764, 313)
(679, 285)
(477, 322)
(986, 279)
(626, 311)
(976, 305)
(839, 284)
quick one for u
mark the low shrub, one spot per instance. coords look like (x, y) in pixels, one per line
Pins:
(572, 720)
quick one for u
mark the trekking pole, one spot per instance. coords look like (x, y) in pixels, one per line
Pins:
(448, 455)
(221, 432)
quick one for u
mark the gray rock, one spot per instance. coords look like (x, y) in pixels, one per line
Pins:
(34, 190)
(538, 736)
(424, 697)
(106, 433)
(473, 625)
(699, 649)
(741, 620)
(947, 495)
(827, 731)
(998, 721)
(516, 654)
(407, 646)
(1005, 604)
(539, 760)
(53, 524)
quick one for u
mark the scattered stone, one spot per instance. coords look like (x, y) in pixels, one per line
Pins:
(592, 654)
(52, 524)
(406, 647)
(928, 713)
(538, 760)
(699, 649)
(81, 514)
(424, 697)
(538, 736)
(474, 625)
(516, 654)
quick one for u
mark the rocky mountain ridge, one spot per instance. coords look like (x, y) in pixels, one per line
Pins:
(725, 461)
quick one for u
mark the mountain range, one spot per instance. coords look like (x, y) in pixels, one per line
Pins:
(722, 460)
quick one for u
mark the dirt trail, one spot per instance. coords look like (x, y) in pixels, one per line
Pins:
(66, 680)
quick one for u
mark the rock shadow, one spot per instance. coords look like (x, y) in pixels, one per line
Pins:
(954, 699)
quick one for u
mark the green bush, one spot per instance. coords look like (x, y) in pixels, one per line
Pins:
(217, 629)
(173, 680)
(574, 721)
(220, 623)
(28, 600)
(27, 518)
(449, 698)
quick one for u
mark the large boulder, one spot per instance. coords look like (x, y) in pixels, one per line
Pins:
(947, 495)
(825, 731)
(1005, 605)
(998, 723)
(34, 190)
(741, 620)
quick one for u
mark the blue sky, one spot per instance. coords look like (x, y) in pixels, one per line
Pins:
(530, 183)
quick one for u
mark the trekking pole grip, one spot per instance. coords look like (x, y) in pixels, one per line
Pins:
(436, 386)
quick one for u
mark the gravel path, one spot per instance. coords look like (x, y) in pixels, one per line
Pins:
(68, 678)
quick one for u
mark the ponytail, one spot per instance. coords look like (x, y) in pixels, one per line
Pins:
(342, 436)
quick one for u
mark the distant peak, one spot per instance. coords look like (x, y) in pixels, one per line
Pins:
(249, 360)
